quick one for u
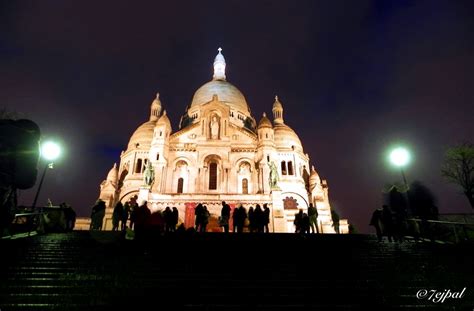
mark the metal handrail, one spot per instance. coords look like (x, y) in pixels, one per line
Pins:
(453, 225)
(31, 227)
(442, 221)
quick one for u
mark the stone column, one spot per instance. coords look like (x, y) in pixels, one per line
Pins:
(279, 221)
(143, 195)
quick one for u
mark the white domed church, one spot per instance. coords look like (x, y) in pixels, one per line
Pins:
(219, 153)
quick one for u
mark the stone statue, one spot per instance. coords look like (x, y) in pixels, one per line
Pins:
(149, 174)
(273, 180)
(214, 128)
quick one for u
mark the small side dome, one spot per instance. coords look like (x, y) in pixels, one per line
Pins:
(113, 174)
(313, 178)
(142, 136)
(164, 120)
(264, 122)
(286, 138)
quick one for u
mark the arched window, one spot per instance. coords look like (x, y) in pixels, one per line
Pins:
(180, 185)
(138, 166)
(157, 156)
(283, 167)
(245, 186)
(290, 168)
(213, 176)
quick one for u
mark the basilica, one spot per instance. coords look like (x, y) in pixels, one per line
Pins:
(219, 153)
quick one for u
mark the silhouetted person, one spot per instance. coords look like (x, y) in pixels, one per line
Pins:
(70, 216)
(225, 216)
(205, 219)
(157, 222)
(97, 216)
(174, 219)
(142, 218)
(181, 229)
(335, 220)
(125, 214)
(297, 221)
(313, 218)
(235, 219)
(304, 225)
(377, 222)
(387, 220)
(117, 216)
(168, 219)
(238, 218)
(251, 219)
(133, 210)
(266, 218)
(258, 218)
(198, 213)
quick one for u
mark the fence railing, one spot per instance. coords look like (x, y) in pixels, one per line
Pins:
(25, 222)
(444, 231)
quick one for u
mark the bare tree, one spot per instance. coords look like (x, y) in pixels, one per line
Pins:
(7, 114)
(458, 168)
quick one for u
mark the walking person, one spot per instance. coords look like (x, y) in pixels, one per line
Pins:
(377, 222)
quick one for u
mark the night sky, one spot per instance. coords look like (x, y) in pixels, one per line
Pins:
(354, 78)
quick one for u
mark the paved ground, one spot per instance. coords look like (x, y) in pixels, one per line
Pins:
(84, 270)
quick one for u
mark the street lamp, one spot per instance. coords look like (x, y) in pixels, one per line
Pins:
(50, 151)
(400, 157)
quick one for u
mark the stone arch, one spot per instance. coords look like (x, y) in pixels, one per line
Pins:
(244, 159)
(191, 162)
(213, 172)
(181, 176)
(243, 174)
(211, 157)
(302, 201)
(124, 198)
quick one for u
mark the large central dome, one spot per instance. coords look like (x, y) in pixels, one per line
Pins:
(225, 91)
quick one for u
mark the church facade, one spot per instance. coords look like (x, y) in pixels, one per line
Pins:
(219, 153)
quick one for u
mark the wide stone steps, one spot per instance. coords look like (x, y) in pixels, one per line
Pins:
(97, 270)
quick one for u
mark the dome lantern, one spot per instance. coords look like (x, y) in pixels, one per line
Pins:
(219, 66)
(264, 122)
(155, 108)
(277, 111)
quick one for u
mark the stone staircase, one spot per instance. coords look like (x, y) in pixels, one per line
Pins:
(215, 271)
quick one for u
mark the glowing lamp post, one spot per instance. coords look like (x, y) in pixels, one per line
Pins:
(50, 151)
(400, 157)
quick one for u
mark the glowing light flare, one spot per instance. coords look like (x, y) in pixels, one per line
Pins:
(50, 150)
(399, 157)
